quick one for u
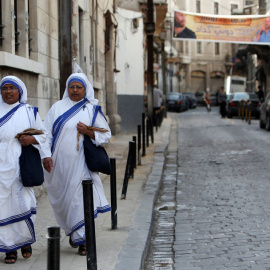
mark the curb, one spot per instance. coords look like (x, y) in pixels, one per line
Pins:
(135, 250)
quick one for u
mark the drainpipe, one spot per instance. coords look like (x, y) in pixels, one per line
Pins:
(150, 29)
(65, 51)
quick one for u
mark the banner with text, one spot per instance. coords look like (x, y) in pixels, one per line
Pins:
(234, 29)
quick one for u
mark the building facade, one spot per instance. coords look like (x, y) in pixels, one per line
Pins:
(40, 39)
(202, 65)
(130, 63)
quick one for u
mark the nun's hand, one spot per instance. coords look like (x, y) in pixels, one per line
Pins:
(82, 128)
(48, 164)
(27, 140)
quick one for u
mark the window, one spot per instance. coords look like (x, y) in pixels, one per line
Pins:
(216, 48)
(181, 46)
(187, 47)
(233, 6)
(81, 57)
(198, 6)
(216, 8)
(199, 47)
(1, 24)
(94, 57)
(17, 33)
(249, 2)
(29, 33)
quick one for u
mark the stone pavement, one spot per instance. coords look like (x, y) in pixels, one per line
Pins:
(120, 249)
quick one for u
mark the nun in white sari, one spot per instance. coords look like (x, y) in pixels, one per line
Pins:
(65, 166)
(17, 203)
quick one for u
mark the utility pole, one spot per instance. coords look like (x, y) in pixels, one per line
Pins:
(150, 29)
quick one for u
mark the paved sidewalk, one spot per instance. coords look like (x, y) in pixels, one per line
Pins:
(123, 248)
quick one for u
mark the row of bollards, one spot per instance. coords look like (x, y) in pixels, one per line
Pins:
(144, 132)
(244, 110)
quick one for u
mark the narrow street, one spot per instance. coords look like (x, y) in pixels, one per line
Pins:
(213, 209)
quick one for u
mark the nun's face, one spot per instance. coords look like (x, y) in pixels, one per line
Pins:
(10, 93)
(76, 91)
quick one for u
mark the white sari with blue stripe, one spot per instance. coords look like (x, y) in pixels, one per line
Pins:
(17, 203)
(69, 167)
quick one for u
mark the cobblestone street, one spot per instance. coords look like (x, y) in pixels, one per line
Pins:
(222, 201)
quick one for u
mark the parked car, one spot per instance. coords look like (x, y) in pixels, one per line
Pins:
(188, 101)
(176, 102)
(265, 113)
(193, 99)
(235, 101)
(228, 97)
(199, 96)
(214, 101)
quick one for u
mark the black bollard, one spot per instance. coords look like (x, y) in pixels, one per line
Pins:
(89, 223)
(53, 256)
(139, 145)
(128, 172)
(113, 194)
(131, 161)
(143, 135)
(147, 132)
(151, 129)
(134, 139)
(156, 117)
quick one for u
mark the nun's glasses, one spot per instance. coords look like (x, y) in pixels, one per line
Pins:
(75, 86)
(11, 88)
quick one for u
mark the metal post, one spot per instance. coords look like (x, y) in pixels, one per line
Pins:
(151, 127)
(157, 119)
(246, 109)
(147, 132)
(127, 172)
(139, 145)
(249, 116)
(53, 256)
(163, 61)
(143, 134)
(89, 223)
(113, 194)
(150, 58)
(131, 162)
(243, 110)
(135, 154)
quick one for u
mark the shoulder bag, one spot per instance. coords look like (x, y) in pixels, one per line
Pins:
(30, 162)
(96, 157)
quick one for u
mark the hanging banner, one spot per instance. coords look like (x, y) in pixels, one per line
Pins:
(234, 29)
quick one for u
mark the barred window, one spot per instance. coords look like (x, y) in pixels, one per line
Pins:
(199, 47)
(29, 33)
(217, 51)
(1, 25)
(198, 6)
(249, 2)
(17, 33)
(181, 46)
(187, 47)
(233, 6)
(216, 7)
